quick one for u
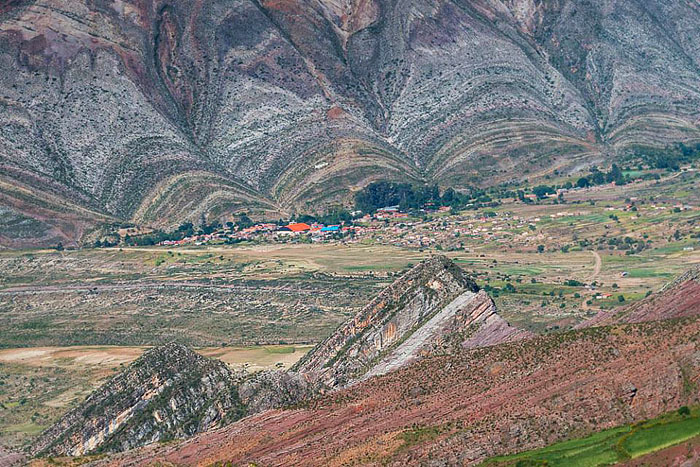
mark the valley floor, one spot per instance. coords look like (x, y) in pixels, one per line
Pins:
(116, 301)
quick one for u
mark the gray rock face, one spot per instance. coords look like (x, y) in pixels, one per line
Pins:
(169, 392)
(158, 111)
(430, 308)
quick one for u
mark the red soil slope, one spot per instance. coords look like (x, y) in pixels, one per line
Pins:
(466, 407)
(679, 298)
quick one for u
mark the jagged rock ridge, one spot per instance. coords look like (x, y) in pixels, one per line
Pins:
(173, 392)
(465, 407)
(432, 307)
(169, 392)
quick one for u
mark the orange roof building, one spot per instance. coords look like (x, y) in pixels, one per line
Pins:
(298, 227)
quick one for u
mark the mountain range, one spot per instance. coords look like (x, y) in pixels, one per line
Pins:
(156, 112)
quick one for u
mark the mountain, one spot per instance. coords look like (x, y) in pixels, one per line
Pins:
(431, 308)
(169, 392)
(156, 111)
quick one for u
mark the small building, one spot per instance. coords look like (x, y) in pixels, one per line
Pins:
(297, 227)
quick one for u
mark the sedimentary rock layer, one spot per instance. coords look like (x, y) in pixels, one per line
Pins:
(158, 111)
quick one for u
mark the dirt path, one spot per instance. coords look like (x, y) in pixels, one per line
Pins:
(596, 267)
(596, 271)
(47, 289)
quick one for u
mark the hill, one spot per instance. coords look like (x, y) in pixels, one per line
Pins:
(431, 308)
(169, 392)
(470, 405)
(679, 298)
(157, 112)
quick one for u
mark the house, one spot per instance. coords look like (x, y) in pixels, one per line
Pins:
(387, 211)
(330, 229)
(297, 227)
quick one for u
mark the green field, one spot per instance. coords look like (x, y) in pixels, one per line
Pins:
(613, 445)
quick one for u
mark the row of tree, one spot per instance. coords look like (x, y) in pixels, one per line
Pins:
(411, 197)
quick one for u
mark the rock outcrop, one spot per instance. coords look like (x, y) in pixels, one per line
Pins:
(469, 321)
(462, 408)
(433, 306)
(394, 315)
(169, 392)
(173, 392)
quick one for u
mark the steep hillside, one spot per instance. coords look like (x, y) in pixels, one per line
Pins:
(679, 298)
(173, 392)
(157, 111)
(169, 392)
(467, 405)
(471, 405)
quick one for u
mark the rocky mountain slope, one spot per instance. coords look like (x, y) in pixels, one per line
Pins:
(169, 392)
(157, 111)
(471, 405)
(172, 392)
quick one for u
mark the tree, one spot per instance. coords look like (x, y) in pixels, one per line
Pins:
(583, 182)
(540, 248)
(541, 191)
(621, 298)
(244, 222)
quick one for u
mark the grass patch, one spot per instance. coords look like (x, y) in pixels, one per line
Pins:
(28, 428)
(613, 445)
(280, 349)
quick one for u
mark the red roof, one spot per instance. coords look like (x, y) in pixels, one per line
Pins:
(299, 227)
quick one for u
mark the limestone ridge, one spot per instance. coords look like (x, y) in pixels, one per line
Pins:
(430, 307)
(172, 392)
(169, 392)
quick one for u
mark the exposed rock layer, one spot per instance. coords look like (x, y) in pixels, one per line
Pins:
(169, 392)
(399, 312)
(157, 111)
(474, 404)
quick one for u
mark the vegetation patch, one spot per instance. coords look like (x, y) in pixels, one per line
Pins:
(613, 445)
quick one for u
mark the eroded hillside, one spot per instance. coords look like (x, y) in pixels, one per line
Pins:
(157, 112)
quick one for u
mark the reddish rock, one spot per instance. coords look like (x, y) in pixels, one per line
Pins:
(466, 407)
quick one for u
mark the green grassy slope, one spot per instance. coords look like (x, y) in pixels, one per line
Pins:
(613, 445)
